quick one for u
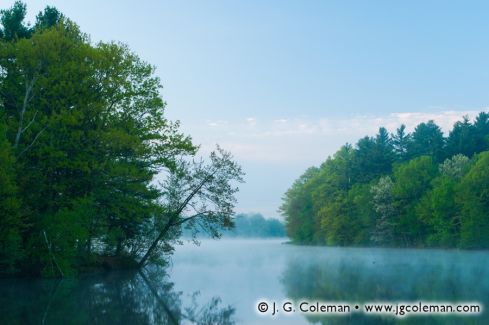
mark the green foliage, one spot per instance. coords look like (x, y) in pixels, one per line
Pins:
(198, 196)
(65, 234)
(373, 156)
(48, 18)
(481, 125)
(12, 21)
(473, 196)
(412, 180)
(361, 209)
(427, 139)
(383, 198)
(463, 139)
(401, 142)
(438, 210)
(83, 137)
(10, 221)
(455, 167)
(255, 225)
(298, 209)
(390, 190)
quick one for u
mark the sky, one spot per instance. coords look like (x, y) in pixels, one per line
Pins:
(283, 84)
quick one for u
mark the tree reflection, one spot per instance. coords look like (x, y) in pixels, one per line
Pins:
(391, 276)
(145, 297)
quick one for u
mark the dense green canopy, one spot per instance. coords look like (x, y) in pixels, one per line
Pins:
(419, 189)
(82, 139)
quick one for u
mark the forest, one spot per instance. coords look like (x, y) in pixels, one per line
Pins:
(92, 174)
(419, 189)
(254, 225)
(248, 225)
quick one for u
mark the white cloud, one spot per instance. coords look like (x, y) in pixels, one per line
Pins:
(217, 123)
(251, 121)
(444, 119)
(280, 121)
(307, 140)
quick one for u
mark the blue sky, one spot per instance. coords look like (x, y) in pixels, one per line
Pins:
(283, 84)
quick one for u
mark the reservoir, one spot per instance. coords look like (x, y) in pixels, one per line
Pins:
(223, 281)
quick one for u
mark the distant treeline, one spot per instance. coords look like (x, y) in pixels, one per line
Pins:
(252, 225)
(255, 225)
(417, 189)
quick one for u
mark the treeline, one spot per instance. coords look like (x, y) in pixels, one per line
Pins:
(255, 226)
(82, 137)
(417, 189)
(248, 225)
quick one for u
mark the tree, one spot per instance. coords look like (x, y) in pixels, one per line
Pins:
(255, 225)
(411, 181)
(12, 21)
(401, 142)
(14, 28)
(473, 196)
(346, 219)
(455, 167)
(330, 187)
(462, 139)
(50, 17)
(84, 138)
(373, 156)
(427, 139)
(87, 125)
(198, 196)
(336, 221)
(438, 208)
(274, 228)
(298, 210)
(360, 201)
(439, 212)
(392, 190)
(383, 201)
(481, 126)
(10, 217)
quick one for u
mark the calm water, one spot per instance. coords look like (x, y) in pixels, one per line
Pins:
(222, 282)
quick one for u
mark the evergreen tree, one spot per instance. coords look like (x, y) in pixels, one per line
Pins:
(462, 139)
(481, 125)
(12, 21)
(373, 157)
(427, 139)
(401, 142)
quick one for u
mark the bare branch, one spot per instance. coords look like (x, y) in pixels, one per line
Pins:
(33, 142)
(30, 123)
(27, 95)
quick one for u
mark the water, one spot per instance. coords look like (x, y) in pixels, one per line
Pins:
(222, 282)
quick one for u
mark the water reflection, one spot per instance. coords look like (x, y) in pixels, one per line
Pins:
(144, 297)
(366, 275)
(242, 272)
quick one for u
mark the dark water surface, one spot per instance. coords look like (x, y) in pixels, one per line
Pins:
(221, 282)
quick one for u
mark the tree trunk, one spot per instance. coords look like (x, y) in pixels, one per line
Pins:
(28, 89)
(151, 248)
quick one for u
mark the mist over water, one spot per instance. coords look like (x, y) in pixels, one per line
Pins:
(242, 272)
(221, 282)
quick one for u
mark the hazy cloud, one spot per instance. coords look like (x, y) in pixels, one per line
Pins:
(309, 140)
